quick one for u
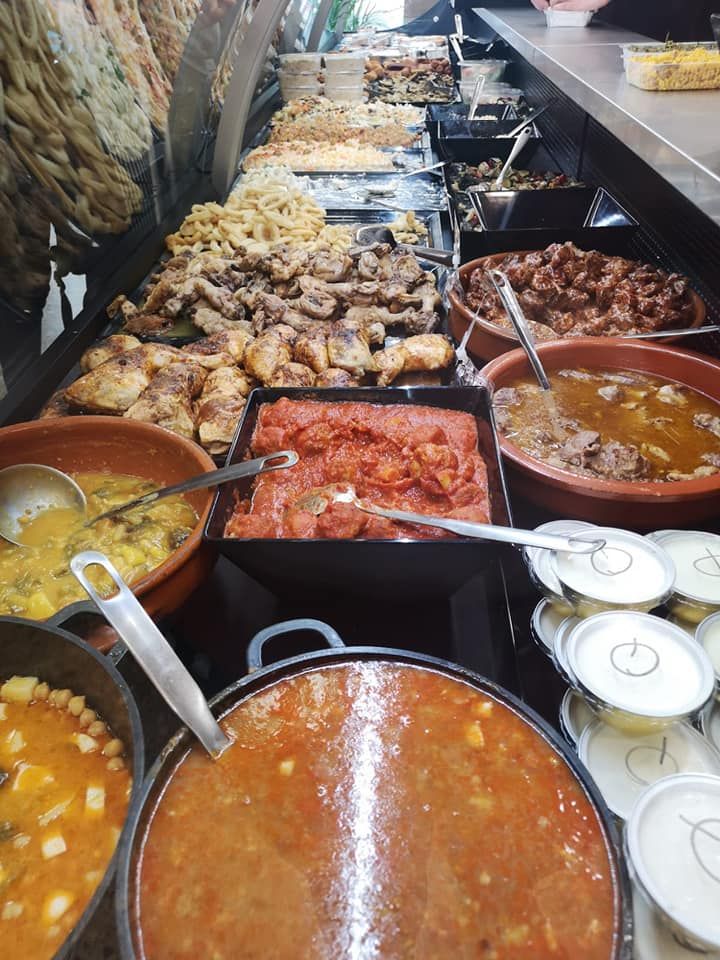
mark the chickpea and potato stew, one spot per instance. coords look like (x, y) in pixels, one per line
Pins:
(64, 793)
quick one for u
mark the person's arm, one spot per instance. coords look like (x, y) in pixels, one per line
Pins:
(540, 4)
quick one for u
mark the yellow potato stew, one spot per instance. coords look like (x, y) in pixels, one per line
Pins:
(35, 579)
(64, 792)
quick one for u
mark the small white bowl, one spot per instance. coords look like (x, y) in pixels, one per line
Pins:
(568, 18)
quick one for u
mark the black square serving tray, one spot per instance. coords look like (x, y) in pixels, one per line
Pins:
(531, 219)
(471, 141)
(388, 568)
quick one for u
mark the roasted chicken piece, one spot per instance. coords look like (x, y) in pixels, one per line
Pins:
(148, 324)
(316, 300)
(292, 375)
(168, 400)
(265, 354)
(348, 348)
(106, 349)
(219, 408)
(212, 321)
(57, 406)
(333, 377)
(228, 342)
(116, 384)
(113, 386)
(272, 309)
(430, 351)
(121, 307)
(330, 265)
(311, 349)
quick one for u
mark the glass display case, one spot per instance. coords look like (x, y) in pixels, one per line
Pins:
(110, 117)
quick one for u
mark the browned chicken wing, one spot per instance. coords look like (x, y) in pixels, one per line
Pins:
(430, 351)
(265, 354)
(219, 408)
(292, 375)
(106, 349)
(333, 377)
(311, 349)
(348, 348)
(168, 400)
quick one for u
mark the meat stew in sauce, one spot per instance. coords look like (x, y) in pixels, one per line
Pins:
(368, 810)
(64, 792)
(568, 292)
(613, 425)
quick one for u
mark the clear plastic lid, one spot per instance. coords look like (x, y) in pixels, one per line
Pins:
(641, 664)
(629, 569)
(624, 764)
(545, 621)
(673, 841)
(696, 556)
(539, 560)
(708, 635)
(575, 715)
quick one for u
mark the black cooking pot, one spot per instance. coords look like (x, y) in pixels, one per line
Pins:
(261, 677)
(64, 661)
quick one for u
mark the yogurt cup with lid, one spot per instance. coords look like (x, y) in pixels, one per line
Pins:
(672, 840)
(575, 715)
(708, 636)
(540, 566)
(651, 938)
(545, 621)
(709, 722)
(559, 650)
(696, 557)
(629, 573)
(623, 765)
(639, 673)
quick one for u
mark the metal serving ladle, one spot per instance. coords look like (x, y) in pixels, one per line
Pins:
(152, 651)
(317, 501)
(29, 489)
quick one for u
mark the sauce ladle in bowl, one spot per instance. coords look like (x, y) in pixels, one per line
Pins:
(152, 651)
(29, 489)
(317, 501)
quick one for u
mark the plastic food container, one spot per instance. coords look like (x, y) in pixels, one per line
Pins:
(630, 50)
(710, 723)
(696, 555)
(545, 621)
(300, 63)
(652, 940)
(472, 70)
(629, 573)
(345, 63)
(297, 90)
(540, 568)
(623, 765)
(560, 649)
(673, 852)
(639, 673)
(568, 18)
(708, 636)
(490, 93)
(348, 94)
(675, 70)
(575, 715)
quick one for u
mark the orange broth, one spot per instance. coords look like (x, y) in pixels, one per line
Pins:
(375, 810)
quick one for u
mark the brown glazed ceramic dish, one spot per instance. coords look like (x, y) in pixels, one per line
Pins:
(640, 505)
(117, 445)
(488, 340)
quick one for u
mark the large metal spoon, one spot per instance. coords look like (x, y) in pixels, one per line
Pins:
(152, 651)
(380, 234)
(29, 489)
(317, 501)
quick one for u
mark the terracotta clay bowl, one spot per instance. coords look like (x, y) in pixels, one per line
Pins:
(117, 445)
(488, 340)
(634, 505)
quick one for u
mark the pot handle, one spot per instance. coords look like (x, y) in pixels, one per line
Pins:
(96, 631)
(255, 647)
(65, 613)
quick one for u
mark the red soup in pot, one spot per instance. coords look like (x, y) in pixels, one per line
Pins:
(375, 810)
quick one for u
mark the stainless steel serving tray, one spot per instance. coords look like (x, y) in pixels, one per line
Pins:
(349, 191)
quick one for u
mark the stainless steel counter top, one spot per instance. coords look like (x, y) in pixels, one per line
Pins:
(677, 134)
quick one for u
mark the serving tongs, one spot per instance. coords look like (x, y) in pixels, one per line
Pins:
(382, 234)
(527, 121)
(152, 651)
(318, 500)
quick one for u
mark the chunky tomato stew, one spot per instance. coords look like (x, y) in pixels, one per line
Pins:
(64, 790)
(375, 810)
(421, 459)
